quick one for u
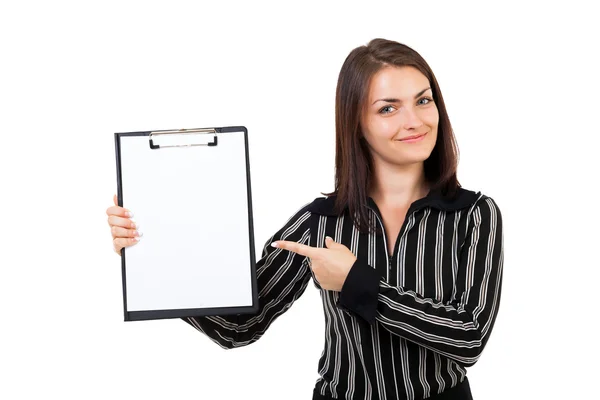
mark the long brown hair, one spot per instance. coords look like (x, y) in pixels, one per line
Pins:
(353, 159)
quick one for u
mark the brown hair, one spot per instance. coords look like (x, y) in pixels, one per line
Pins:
(353, 159)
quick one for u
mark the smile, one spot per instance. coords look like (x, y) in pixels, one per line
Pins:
(413, 140)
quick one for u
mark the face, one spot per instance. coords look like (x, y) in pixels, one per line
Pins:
(397, 107)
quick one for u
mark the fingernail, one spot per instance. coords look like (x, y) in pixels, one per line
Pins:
(275, 244)
(137, 238)
(140, 234)
(129, 214)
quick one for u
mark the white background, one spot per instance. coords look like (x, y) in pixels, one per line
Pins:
(521, 87)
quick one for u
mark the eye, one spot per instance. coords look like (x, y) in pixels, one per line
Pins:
(387, 112)
(381, 110)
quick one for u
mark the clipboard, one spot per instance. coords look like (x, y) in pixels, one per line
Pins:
(189, 191)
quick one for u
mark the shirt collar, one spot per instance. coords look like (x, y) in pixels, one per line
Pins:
(462, 199)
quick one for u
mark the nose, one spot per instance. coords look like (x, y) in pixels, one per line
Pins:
(411, 118)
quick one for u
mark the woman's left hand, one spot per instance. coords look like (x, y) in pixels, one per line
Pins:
(330, 264)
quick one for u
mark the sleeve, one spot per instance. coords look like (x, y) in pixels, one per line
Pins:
(282, 277)
(459, 329)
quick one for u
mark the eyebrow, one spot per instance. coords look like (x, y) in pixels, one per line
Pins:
(393, 100)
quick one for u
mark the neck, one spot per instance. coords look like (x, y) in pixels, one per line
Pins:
(394, 187)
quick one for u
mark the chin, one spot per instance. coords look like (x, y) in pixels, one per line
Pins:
(416, 156)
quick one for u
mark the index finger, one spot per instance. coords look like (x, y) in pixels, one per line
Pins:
(296, 247)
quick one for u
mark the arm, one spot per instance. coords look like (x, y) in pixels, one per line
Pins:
(459, 329)
(282, 277)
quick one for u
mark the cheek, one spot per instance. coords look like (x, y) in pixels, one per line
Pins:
(379, 131)
(431, 117)
(384, 128)
(432, 138)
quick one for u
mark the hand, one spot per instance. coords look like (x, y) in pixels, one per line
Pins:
(125, 231)
(330, 265)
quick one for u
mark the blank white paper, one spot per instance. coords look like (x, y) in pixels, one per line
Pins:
(192, 207)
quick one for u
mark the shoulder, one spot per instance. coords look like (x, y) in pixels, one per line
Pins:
(483, 199)
(322, 206)
(319, 205)
(466, 198)
(485, 207)
(301, 216)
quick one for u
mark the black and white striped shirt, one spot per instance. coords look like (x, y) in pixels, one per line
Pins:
(404, 326)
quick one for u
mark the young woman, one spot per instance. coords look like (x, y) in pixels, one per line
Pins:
(408, 263)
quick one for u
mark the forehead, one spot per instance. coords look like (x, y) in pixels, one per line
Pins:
(399, 82)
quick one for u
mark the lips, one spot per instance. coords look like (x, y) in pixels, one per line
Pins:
(413, 136)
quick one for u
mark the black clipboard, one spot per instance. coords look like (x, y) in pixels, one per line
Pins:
(141, 169)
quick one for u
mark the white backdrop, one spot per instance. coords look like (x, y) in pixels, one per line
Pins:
(520, 84)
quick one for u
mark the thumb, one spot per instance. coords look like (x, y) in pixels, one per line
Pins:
(329, 242)
(115, 200)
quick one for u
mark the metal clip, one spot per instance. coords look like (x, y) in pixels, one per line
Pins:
(184, 131)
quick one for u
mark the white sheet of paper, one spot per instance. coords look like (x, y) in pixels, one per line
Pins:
(192, 207)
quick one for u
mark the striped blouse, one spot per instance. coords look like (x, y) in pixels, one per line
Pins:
(405, 325)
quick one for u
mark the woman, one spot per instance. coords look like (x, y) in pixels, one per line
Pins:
(408, 263)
